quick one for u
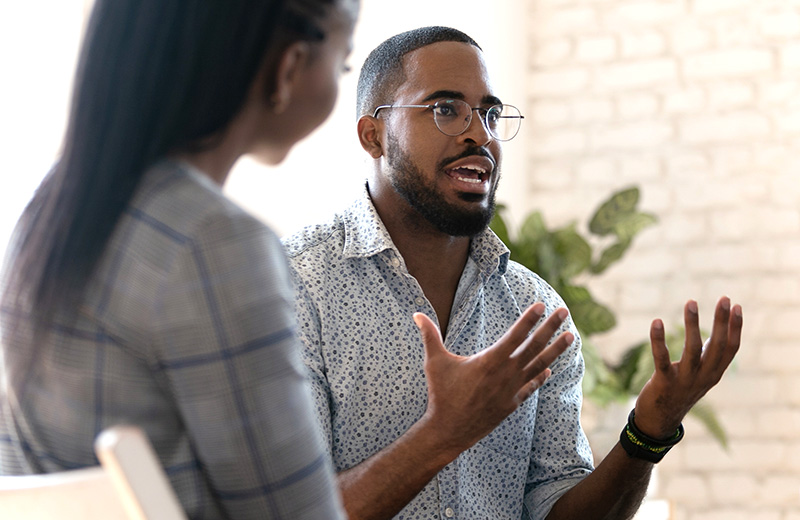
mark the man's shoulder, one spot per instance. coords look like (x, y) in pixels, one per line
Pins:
(316, 241)
(523, 281)
(518, 273)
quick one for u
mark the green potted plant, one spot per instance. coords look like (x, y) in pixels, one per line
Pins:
(561, 256)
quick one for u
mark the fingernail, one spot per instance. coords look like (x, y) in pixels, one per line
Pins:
(659, 325)
(726, 304)
(561, 314)
(692, 306)
(417, 321)
(737, 310)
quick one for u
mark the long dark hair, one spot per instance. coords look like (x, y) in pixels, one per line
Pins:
(153, 77)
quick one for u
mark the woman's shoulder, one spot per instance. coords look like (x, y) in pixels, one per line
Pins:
(178, 200)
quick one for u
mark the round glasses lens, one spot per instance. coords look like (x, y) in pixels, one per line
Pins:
(452, 116)
(503, 121)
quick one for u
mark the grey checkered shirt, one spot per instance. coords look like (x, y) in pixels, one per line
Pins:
(187, 330)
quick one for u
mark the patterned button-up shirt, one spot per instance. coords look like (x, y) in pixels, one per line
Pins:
(355, 299)
(187, 330)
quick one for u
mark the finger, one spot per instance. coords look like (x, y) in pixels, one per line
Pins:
(531, 386)
(546, 357)
(734, 335)
(431, 337)
(693, 345)
(718, 341)
(537, 341)
(658, 345)
(519, 331)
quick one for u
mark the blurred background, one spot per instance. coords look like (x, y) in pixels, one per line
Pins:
(695, 102)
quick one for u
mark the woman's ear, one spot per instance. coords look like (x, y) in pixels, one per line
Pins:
(369, 133)
(291, 63)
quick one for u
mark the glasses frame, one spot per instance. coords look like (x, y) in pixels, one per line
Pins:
(482, 113)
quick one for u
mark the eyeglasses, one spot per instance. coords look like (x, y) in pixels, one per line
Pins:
(453, 117)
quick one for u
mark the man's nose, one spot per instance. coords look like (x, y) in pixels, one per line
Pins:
(477, 131)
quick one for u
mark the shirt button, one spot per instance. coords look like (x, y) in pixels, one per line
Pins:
(449, 513)
(420, 301)
(395, 262)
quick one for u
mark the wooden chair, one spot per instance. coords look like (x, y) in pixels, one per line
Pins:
(129, 484)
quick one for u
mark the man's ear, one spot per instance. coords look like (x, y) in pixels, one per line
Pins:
(291, 63)
(369, 133)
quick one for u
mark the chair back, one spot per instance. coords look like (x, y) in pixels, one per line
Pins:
(129, 484)
(81, 494)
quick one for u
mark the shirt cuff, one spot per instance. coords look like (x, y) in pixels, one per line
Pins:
(540, 500)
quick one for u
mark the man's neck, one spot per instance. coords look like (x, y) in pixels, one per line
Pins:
(434, 258)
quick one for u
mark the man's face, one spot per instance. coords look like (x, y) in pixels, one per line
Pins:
(450, 181)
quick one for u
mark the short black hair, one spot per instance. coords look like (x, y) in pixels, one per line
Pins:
(382, 71)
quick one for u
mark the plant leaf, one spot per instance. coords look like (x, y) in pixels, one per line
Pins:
(596, 377)
(549, 264)
(531, 248)
(575, 294)
(498, 225)
(574, 251)
(628, 367)
(610, 256)
(608, 214)
(591, 317)
(533, 229)
(708, 417)
(629, 225)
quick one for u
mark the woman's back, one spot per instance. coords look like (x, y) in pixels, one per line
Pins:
(186, 330)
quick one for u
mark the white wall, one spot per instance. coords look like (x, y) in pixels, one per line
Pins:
(698, 103)
(38, 50)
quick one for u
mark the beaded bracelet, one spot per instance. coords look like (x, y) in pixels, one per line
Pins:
(638, 445)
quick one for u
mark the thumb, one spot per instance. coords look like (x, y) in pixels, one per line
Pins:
(431, 337)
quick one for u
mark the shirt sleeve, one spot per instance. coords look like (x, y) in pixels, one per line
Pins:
(227, 344)
(311, 351)
(561, 456)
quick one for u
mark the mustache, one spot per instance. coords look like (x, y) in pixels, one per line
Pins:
(469, 152)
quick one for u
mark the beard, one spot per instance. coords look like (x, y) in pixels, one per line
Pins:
(427, 200)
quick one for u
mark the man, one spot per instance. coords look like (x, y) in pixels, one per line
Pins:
(471, 426)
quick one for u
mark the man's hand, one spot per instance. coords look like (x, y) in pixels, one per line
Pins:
(616, 487)
(675, 387)
(469, 396)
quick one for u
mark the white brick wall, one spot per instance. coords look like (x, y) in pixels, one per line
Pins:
(698, 103)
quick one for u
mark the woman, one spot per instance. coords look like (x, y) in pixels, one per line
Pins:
(135, 292)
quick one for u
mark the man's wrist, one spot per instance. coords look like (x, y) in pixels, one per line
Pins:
(640, 446)
(430, 437)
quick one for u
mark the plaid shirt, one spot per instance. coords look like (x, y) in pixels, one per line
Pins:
(355, 298)
(187, 330)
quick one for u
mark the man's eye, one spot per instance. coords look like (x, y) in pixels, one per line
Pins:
(445, 110)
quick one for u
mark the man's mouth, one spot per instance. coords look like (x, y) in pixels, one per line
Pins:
(469, 174)
(473, 172)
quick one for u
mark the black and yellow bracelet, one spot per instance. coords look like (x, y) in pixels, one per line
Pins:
(638, 445)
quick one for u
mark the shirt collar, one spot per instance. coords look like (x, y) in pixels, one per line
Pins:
(365, 236)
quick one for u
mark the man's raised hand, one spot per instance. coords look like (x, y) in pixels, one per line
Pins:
(469, 396)
(676, 386)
